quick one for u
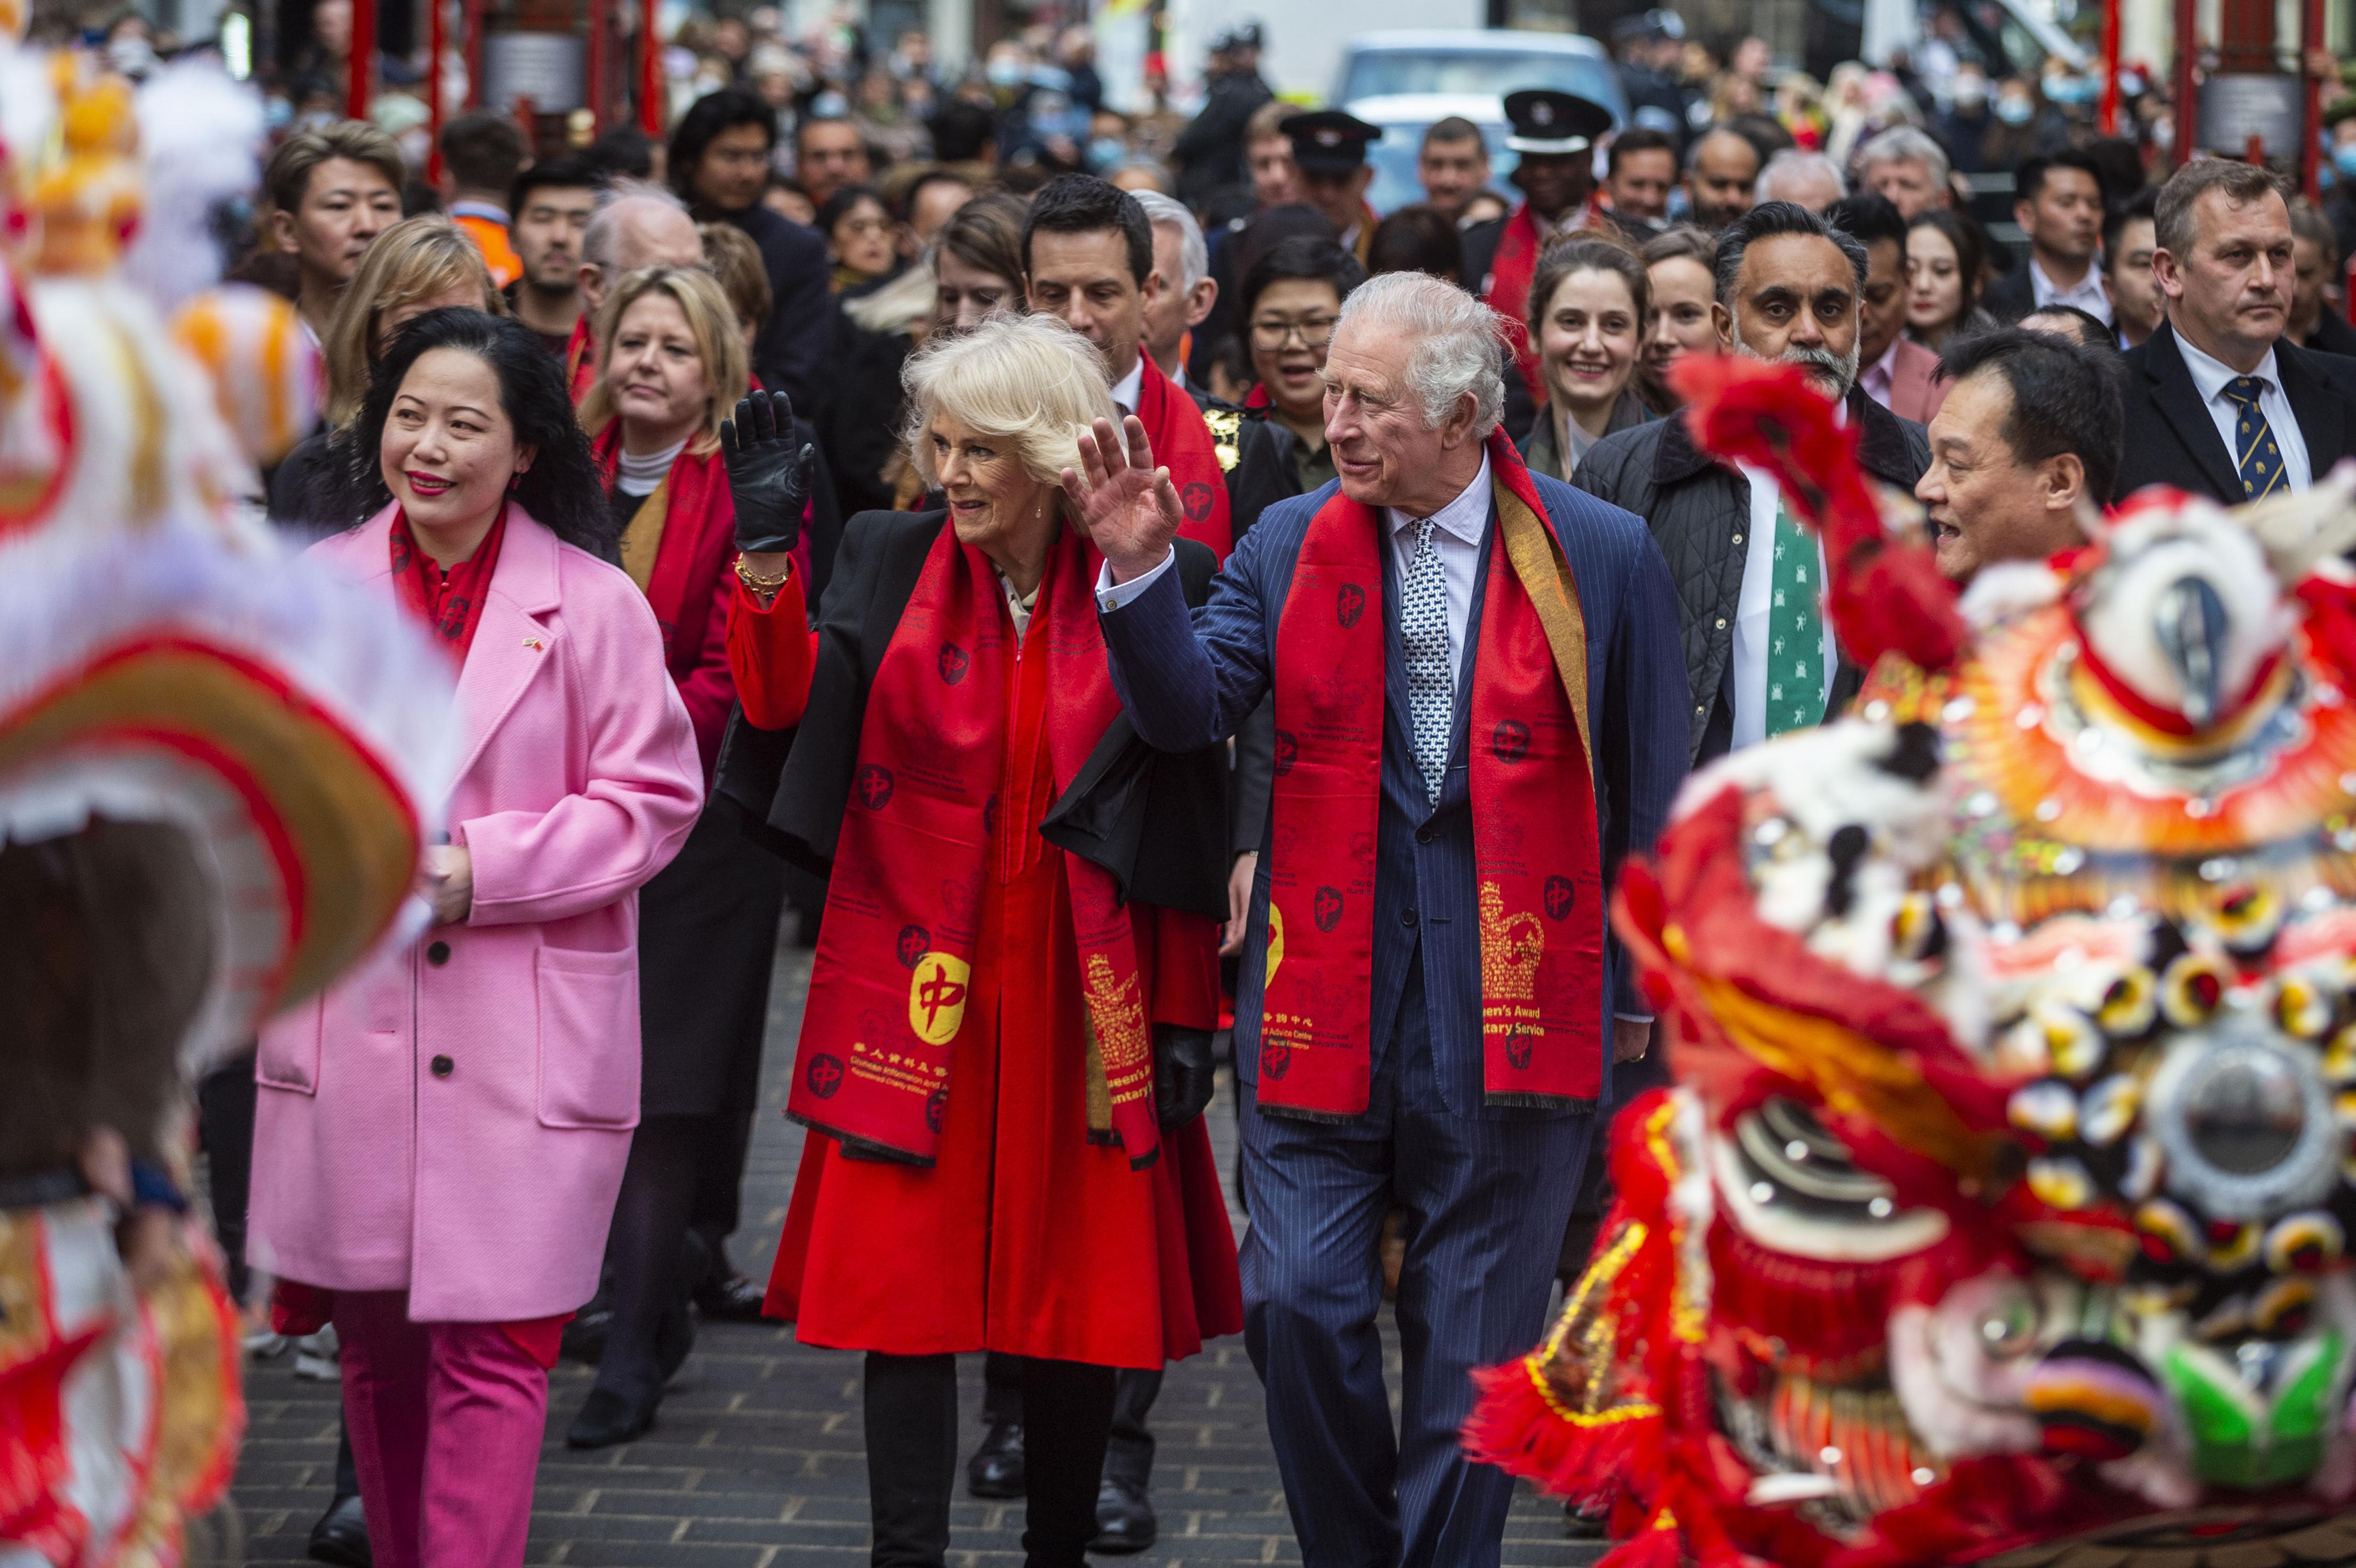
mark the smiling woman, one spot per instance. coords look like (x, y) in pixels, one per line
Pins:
(395, 1112)
(1004, 1057)
(1589, 301)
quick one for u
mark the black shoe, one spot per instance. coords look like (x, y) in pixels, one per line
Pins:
(584, 1339)
(1581, 1525)
(674, 1340)
(341, 1536)
(996, 1470)
(734, 1299)
(1125, 1522)
(606, 1418)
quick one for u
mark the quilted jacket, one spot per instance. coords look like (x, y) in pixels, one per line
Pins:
(1698, 511)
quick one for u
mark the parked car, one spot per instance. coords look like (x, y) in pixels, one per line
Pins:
(1407, 79)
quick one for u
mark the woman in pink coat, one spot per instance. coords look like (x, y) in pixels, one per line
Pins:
(439, 1138)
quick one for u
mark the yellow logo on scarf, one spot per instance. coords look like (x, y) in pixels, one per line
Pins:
(1275, 939)
(936, 994)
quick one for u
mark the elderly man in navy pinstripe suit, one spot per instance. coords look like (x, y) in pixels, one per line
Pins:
(1424, 1099)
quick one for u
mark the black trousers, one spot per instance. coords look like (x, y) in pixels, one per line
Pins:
(652, 1258)
(1129, 1457)
(225, 1105)
(912, 1451)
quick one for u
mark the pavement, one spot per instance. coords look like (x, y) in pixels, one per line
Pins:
(757, 1458)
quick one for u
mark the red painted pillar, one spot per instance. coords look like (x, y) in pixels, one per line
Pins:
(651, 74)
(2185, 93)
(360, 79)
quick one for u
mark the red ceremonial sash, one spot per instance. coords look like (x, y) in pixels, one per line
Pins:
(695, 499)
(449, 603)
(1181, 444)
(1510, 274)
(895, 952)
(1535, 844)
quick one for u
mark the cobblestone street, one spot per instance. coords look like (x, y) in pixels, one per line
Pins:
(756, 1459)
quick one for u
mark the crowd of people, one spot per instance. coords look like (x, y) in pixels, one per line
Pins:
(1387, 603)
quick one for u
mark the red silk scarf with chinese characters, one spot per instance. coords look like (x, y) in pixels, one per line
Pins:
(1534, 844)
(894, 960)
(449, 603)
(1181, 444)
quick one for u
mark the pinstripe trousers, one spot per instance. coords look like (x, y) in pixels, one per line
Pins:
(1487, 1202)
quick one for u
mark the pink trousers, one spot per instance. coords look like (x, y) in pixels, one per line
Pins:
(446, 1420)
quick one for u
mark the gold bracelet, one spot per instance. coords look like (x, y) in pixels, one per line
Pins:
(764, 586)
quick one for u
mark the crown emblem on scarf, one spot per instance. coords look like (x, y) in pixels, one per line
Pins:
(1510, 945)
(1117, 1014)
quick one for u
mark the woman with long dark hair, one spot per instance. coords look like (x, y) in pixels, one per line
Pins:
(441, 1137)
(1944, 261)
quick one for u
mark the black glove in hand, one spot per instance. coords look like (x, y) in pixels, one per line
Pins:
(1183, 1073)
(770, 480)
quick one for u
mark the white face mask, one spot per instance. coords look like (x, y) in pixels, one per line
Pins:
(1971, 92)
(2014, 111)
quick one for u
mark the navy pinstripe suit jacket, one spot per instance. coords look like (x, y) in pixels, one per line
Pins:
(1189, 682)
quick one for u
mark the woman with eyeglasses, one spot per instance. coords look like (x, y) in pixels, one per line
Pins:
(1292, 298)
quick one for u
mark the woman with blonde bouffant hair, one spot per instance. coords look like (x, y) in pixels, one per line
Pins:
(422, 264)
(1004, 1057)
(670, 370)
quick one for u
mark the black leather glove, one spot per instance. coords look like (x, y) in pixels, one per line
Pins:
(771, 481)
(1183, 1073)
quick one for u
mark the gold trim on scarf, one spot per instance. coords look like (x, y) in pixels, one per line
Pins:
(642, 540)
(1546, 576)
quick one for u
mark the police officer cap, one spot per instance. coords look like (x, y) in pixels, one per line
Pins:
(1243, 36)
(1328, 141)
(1545, 122)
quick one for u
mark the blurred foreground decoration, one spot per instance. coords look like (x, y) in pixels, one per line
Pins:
(216, 767)
(2001, 1208)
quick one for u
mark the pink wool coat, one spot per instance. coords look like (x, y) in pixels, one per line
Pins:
(452, 1121)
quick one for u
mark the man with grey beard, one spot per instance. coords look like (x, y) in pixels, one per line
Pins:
(1760, 653)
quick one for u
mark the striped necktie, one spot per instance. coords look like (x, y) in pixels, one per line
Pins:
(2256, 455)
(1423, 647)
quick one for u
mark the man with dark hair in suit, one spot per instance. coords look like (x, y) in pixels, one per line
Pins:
(1430, 998)
(2218, 402)
(2060, 205)
(1893, 370)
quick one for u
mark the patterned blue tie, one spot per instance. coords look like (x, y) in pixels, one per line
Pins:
(2255, 453)
(1423, 640)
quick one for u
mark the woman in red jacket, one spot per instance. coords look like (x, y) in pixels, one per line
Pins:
(671, 362)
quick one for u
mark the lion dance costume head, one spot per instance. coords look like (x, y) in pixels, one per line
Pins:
(216, 767)
(2001, 1211)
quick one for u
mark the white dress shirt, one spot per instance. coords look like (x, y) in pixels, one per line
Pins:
(1750, 610)
(2208, 378)
(2087, 294)
(1126, 389)
(1461, 526)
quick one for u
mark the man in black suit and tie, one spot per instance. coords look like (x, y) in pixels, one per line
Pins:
(2218, 403)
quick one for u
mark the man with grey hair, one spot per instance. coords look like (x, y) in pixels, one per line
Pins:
(1188, 289)
(2218, 402)
(1805, 179)
(1907, 166)
(1760, 656)
(1430, 998)
(636, 225)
